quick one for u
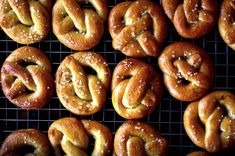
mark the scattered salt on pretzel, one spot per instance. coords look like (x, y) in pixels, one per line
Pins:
(80, 92)
(136, 89)
(25, 22)
(137, 138)
(138, 28)
(21, 140)
(76, 27)
(210, 122)
(71, 136)
(26, 78)
(191, 18)
(188, 71)
(227, 22)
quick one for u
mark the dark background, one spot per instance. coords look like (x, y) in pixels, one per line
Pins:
(167, 118)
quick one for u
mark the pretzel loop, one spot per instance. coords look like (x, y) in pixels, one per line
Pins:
(137, 28)
(227, 22)
(217, 112)
(186, 68)
(72, 136)
(22, 77)
(137, 138)
(135, 93)
(26, 22)
(78, 28)
(191, 18)
(20, 140)
(80, 92)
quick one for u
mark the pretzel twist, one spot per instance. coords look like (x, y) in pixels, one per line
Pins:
(227, 22)
(71, 136)
(137, 138)
(19, 140)
(138, 28)
(25, 22)
(78, 28)
(80, 92)
(23, 78)
(191, 18)
(188, 71)
(216, 111)
(136, 89)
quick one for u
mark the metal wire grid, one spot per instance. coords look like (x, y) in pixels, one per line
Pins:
(167, 118)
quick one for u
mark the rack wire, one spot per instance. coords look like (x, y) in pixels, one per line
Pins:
(167, 118)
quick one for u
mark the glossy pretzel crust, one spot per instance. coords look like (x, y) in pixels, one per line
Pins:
(188, 71)
(20, 139)
(26, 78)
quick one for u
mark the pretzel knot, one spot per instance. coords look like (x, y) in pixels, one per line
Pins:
(137, 138)
(20, 141)
(138, 28)
(78, 28)
(25, 22)
(80, 92)
(216, 112)
(136, 89)
(71, 137)
(227, 22)
(191, 18)
(23, 78)
(188, 71)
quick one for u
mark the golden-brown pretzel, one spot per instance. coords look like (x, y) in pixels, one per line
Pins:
(227, 22)
(80, 92)
(78, 28)
(138, 28)
(137, 138)
(26, 78)
(191, 18)
(136, 89)
(188, 71)
(216, 111)
(71, 136)
(19, 140)
(25, 22)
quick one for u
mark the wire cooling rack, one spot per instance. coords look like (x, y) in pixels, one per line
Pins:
(167, 118)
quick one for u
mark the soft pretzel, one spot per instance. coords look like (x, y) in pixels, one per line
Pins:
(138, 28)
(26, 78)
(71, 136)
(78, 28)
(20, 140)
(136, 89)
(188, 71)
(191, 18)
(25, 22)
(80, 92)
(210, 122)
(137, 138)
(227, 22)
